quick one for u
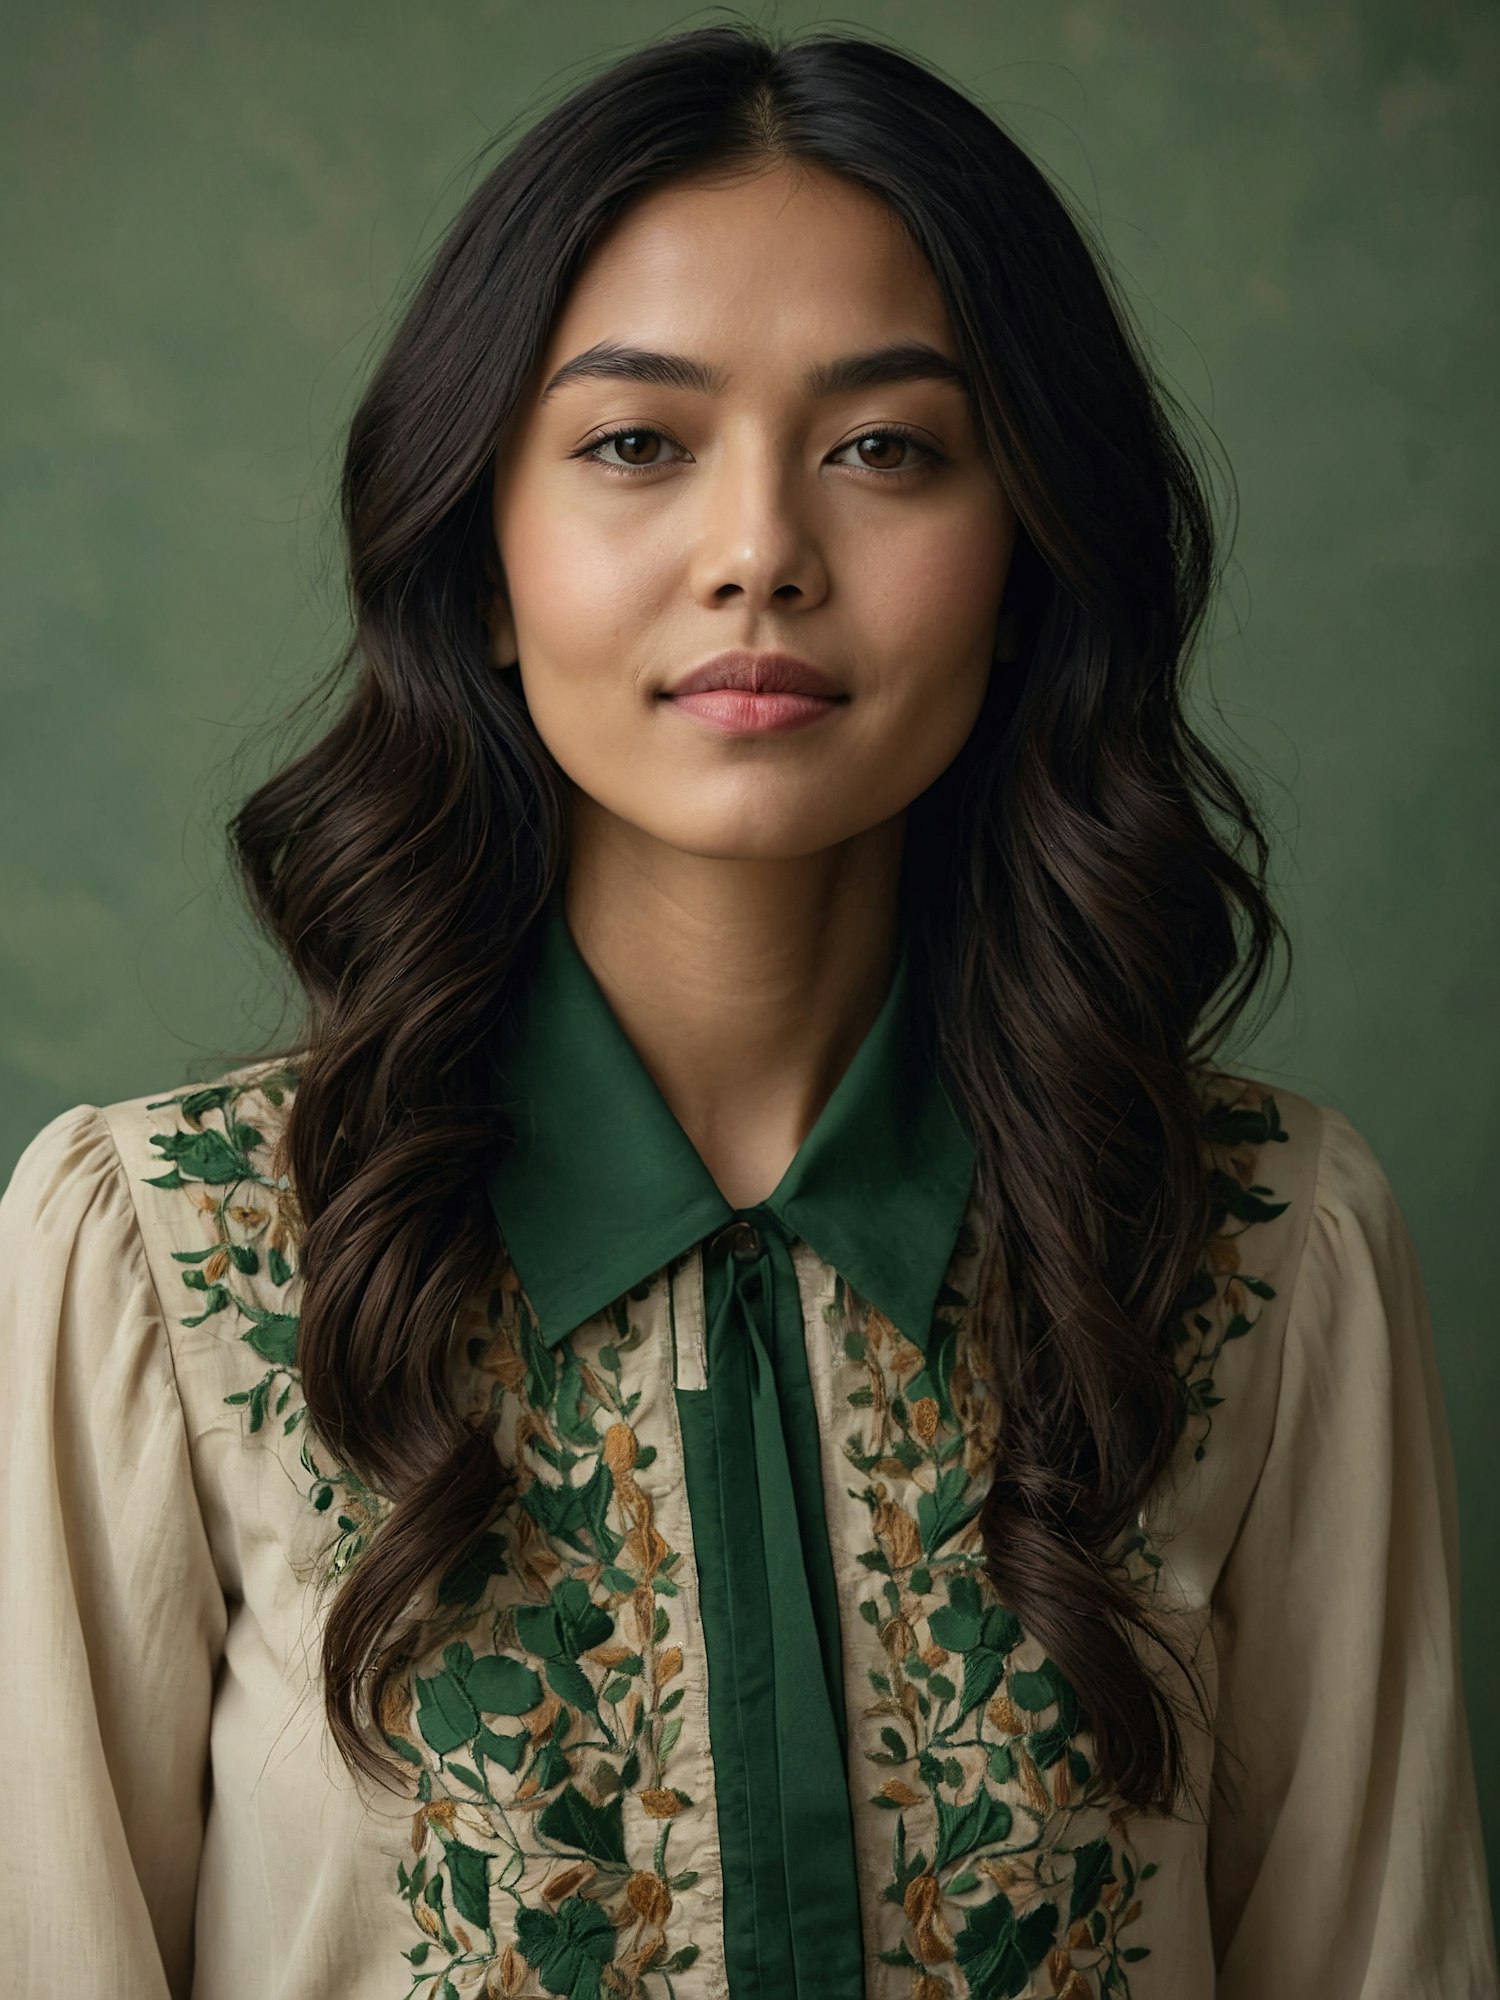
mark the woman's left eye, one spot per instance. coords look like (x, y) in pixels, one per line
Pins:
(928, 454)
(631, 434)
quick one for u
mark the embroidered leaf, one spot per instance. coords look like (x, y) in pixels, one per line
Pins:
(937, 1369)
(1090, 1867)
(962, 1829)
(567, 1404)
(214, 1301)
(551, 1766)
(207, 1156)
(942, 1512)
(468, 1874)
(1049, 1744)
(506, 1751)
(501, 1686)
(1033, 1691)
(983, 1671)
(541, 1363)
(278, 1266)
(272, 1334)
(568, 1949)
(955, 1625)
(1002, 1629)
(445, 1715)
(998, 1952)
(570, 1683)
(577, 1514)
(573, 1821)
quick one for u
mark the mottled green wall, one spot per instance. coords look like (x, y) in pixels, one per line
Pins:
(208, 213)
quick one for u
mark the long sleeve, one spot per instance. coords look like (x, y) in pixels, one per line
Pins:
(114, 1618)
(1348, 1862)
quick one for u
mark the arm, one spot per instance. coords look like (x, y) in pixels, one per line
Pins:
(114, 1618)
(1351, 1864)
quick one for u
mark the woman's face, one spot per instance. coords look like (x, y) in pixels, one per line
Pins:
(762, 515)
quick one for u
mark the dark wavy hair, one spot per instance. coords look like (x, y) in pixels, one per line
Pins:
(1083, 934)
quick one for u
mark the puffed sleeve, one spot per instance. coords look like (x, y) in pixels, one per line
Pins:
(1348, 1862)
(114, 1618)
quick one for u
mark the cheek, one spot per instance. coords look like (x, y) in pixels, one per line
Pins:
(939, 593)
(578, 597)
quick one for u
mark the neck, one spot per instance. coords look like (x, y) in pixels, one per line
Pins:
(745, 986)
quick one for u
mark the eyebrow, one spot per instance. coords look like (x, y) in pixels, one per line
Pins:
(902, 361)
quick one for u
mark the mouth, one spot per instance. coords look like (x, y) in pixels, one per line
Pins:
(757, 673)
(736, 711)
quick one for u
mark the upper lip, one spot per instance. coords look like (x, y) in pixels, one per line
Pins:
(759, 673)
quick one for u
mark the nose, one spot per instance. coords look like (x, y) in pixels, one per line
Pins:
(758, 534)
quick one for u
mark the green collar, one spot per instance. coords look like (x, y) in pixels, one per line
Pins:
(603, 1187)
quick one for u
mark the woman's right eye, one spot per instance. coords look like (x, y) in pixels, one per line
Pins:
(634, 433)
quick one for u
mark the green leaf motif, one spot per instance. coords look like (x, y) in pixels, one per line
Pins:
(577, 1515)
(569, 1623)
(468, 1876)
(1090, 1866)
(575, 1822)
(272, 1334)
(502, 1686)
(998, 1952)
(506, 1751)
(966, 1828)
(942, 1512)
(205, 1156)
(445, 1715)
(568, 1949)
(570, 1683)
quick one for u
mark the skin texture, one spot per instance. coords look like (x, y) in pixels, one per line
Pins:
(736, 897)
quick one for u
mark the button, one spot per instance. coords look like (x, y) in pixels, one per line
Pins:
(739, 1239)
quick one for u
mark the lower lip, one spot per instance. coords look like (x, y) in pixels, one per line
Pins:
(740, 713)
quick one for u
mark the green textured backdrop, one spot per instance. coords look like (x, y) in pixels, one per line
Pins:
(210, 211)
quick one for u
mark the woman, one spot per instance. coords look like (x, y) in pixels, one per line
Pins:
(744, 1410)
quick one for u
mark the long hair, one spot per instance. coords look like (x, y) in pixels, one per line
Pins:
(1083, 930)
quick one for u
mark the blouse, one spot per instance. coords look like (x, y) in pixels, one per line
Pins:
(724, 1701)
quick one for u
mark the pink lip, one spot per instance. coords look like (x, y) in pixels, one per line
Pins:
(737, 712)
(759, 673)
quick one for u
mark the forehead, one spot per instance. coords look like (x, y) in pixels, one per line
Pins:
(790, 261)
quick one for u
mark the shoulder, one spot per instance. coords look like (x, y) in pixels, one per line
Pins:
(227, 1128)
(1302, 1174)
(214, 1204)
(1294, 1188)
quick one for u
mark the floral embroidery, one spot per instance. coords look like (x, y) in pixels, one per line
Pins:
(221, 1160)
(1009, 1859)
(571, 1688)
(572, 1696)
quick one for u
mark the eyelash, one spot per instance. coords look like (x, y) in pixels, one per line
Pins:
(595, 445)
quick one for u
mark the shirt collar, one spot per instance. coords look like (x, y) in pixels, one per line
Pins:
(603, 1187)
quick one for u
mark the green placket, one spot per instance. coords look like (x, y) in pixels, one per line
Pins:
(771, 1623)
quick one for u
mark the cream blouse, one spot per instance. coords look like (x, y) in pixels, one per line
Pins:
(185, 1828)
